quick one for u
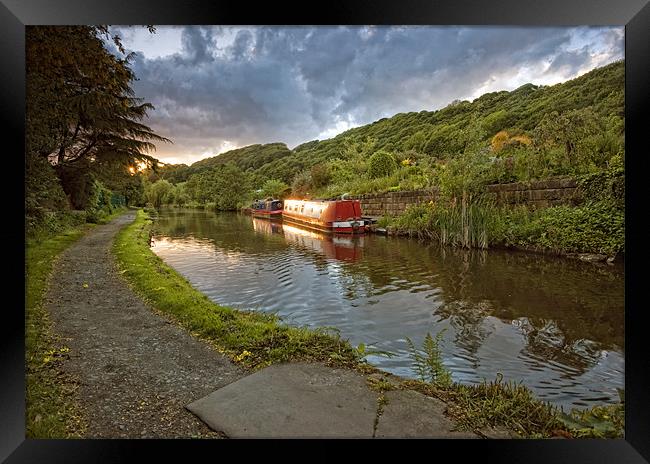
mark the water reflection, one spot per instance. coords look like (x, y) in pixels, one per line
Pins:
(555, 323)
(333, 246)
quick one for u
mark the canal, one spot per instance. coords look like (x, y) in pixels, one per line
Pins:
(555, 324)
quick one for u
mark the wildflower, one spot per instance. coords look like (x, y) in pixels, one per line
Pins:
(244, 354)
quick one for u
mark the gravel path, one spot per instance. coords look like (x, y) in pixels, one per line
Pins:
(137, 371)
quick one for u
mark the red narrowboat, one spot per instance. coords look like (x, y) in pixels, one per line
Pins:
(267, 209)
(335, 216)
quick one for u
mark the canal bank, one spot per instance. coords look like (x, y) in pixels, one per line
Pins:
(137, 370)
(490, 403)
(140, 374)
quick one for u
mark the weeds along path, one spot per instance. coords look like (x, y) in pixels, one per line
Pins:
(137, 371)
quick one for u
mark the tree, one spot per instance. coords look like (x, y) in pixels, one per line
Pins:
(567, 130)
(157, 193)
(320, 175)
(181, 196)
(301, 183)
(81, 110)
(274, 188)
(232, 186)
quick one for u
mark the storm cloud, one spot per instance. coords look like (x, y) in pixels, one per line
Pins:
(215, 88)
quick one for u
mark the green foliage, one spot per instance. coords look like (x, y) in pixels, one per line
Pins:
(320, 175)
(361, 351)
(381, 164)
(592, 228)
(595, 227)
(179, 194)
(266, 160)
(506, 404)
(465, 223)
(607, 185)
(225, 187)
(99, 202)
(83, 117)
(498, 121)
(133, 191)
(606, 421)
(428, 361)
(301, 184)
(45, 202)
(158, 193)
(385, 221)
(274, 188)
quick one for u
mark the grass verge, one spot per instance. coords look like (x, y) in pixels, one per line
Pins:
(250, 338)
(52, 410)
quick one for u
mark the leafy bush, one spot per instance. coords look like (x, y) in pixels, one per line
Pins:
(99, 202)
(301, 183)
(596, 227)
(320, 176)
(381, 164)
(606, 185)
(592, 228)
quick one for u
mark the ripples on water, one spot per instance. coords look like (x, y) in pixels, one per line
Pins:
(553, 323)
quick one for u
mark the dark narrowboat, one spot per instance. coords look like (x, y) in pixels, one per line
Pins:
(267, 209)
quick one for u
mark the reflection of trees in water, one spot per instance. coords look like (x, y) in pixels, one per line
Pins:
(585, 300)
(227, 231)
(545, 339)
(355, 285)
(547, 342)
(467, 319)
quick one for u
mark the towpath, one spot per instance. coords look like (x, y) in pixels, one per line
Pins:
(140, 375)
(136, 370)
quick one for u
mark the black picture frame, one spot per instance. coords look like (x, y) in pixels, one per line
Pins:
(633, 14)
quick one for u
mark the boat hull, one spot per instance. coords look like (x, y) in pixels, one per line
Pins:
(351, 226)
(270, 215)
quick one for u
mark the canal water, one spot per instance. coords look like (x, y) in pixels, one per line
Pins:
(555, 324)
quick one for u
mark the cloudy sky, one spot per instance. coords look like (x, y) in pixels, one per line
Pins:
(216, 88)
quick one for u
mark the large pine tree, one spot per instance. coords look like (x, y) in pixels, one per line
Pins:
(82, 114)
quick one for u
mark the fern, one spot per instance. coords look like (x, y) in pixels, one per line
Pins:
(427, 363)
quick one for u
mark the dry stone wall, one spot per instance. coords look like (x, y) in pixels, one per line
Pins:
(538, 194)
(392, 203)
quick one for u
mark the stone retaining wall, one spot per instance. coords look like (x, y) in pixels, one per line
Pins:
(392, 203)
(539, 194)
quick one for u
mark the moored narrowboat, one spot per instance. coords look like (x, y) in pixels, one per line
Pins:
(333, 216)
(267, 209)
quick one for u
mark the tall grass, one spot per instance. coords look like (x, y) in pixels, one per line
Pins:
(464, 223)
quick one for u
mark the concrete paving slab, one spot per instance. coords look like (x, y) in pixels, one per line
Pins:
(410, 414)
(295, 400)
(497, 433)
